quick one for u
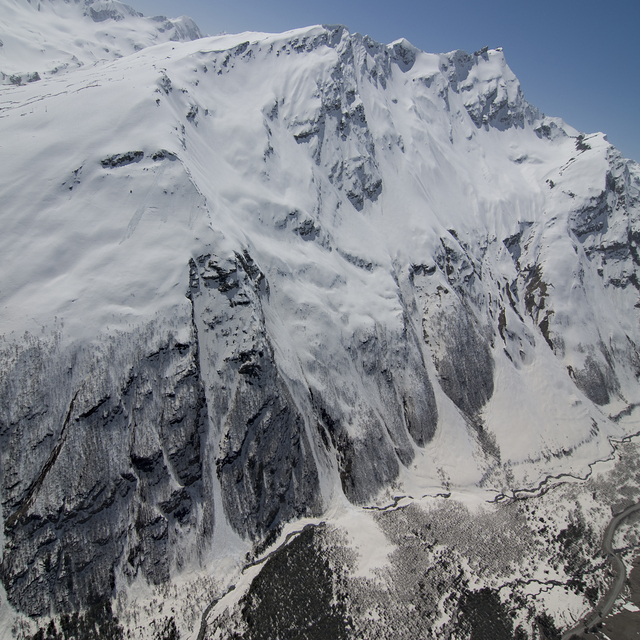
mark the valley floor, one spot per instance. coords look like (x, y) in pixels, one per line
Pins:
(450, 566)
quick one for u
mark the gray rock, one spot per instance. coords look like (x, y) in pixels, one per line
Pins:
(466, 364)
(264, 462)
(96, 449)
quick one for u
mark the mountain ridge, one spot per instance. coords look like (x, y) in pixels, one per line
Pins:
(38, 44)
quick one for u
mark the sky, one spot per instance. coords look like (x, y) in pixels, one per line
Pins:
(576, 59)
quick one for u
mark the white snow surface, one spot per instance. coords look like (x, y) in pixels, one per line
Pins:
(47, 37)
(251, 153)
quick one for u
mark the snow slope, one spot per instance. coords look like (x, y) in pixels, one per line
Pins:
(47, 37)
(255, 278)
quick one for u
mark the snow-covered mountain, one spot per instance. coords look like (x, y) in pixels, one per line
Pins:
(259, 279)
(42, 38)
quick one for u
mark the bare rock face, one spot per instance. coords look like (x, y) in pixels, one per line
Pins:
(466, 365)
(265, 462)
(102, 467)
(396, 413)
(456, 325)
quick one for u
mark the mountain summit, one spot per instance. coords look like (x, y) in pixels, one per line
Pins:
(257, 282)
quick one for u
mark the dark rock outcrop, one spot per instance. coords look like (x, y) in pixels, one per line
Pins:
(102, 468)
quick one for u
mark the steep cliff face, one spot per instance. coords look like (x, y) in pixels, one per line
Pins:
(265, 463)
(103, 471)
(268, 277)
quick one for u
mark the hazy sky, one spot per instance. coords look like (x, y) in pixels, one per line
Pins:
(577, 59)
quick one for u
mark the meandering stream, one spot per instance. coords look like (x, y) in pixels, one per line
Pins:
(606, 603)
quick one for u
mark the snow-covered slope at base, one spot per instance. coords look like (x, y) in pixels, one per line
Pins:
(264, 276)
(46, 37)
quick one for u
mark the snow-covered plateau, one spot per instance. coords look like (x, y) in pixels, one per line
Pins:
(303, 336)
